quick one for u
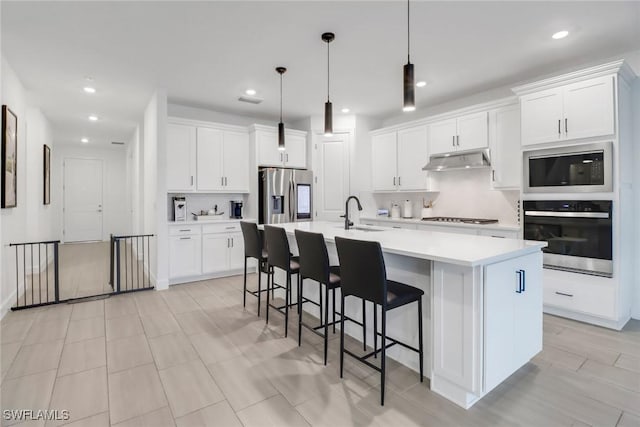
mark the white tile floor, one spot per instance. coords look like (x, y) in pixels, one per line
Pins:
(192, 356)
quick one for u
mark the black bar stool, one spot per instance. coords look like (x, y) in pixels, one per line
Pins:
(279, 256)
(363, 275)
(314, 265)
(253, 248)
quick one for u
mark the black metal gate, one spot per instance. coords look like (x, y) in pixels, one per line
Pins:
(129, 266)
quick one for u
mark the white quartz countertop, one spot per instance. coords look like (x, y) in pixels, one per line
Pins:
(495, 226)
(210, 221)
(461, 249)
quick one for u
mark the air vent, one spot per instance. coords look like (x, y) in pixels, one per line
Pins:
(250, 99)
(117, 143)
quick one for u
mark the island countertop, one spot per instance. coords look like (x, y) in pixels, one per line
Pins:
(465, 250)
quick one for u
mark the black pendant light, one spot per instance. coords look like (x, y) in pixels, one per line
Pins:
(409, 86)
(281, 71)
(328, 107)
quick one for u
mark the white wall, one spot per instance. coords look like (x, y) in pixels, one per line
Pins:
(31, 220)
(193, 113)
(135, 166)
(635, 310)
(115, 219)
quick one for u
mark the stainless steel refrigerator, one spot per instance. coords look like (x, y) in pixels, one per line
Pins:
(285, 195)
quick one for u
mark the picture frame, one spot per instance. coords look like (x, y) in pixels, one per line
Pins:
(9, 159)
(46, 171)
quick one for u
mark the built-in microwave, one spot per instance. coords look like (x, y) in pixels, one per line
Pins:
(585, 168)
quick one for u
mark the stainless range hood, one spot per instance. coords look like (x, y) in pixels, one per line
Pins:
(467, 160)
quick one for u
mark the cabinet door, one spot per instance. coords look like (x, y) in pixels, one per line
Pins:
(181, 157)
(184, 256)
(473, 131)
(442, 137)
(541, 116)
(210, 143)
(236, 251)
(295, 153)
(506, 157)
(215, 252)
(267, 148)
(588, 108)
(412, 156)
(528, 310)
(235, 161)
(384, 162)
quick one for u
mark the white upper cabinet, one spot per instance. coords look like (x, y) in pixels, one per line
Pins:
(205, 157)
(181, 157)
(384, 161)
(294, 154)
(209, 159)
(583, 109)
(506, 158)
(412, 156)
(467, 132)
(398, 158)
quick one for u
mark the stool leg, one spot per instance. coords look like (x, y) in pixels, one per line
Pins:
(320, 295)
(364, 326)
(342, 336)
(383, 364)
(300, 282)
(259, 282)
(420, 339)
(268, 284)
(244, 294)
(326, 319)
(375, 330)
(287, 296)
(334, 310)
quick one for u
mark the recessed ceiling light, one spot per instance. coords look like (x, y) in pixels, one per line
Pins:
(250, 92)
(345, 110)
(89, 89)
(84, 140)
(560, 35)
(421, 83)
(93, 118)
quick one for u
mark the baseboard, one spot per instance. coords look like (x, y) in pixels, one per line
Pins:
(585, 318)
(6, 304)
(217, 275)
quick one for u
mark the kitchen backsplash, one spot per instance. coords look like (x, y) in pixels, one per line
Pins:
(462, 193)
(199, 202)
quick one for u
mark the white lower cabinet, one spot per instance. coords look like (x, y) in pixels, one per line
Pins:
(202, 251)
(184, 255)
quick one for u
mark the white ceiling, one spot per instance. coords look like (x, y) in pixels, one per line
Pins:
(207, 53)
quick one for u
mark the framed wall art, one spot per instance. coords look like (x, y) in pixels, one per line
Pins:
(9, 158)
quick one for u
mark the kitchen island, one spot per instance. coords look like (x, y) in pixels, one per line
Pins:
(484, 315)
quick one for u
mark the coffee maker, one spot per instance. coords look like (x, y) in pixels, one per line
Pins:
(179, 209)
(236, 209)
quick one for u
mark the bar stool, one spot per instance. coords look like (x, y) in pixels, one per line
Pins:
(314, 265)
(279, 256)
(253, 248)
(363, 275)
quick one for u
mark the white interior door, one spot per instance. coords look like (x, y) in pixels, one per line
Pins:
(332, 186)
(83, 200)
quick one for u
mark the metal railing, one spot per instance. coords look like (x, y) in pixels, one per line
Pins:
(36, 283)
(130, 263)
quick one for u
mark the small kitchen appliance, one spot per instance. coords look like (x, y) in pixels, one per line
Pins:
(407, 209)
(395, 211)
(179, 209)
(236, 209)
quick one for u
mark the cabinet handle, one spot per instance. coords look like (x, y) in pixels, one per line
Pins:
(458, 140)
(184, 230)
(394, 180)
(493, 175)
(226, 181)
(519, 274)
(566, 129)
(233, 227)
(232, 242)
(399, 182)
(523, 275)
(185, 238)
(396, 226)
(191, 180)
(453, 140)
(286, 157)
(222, 181)
(564, 295)
(228, 244)
(559, 131)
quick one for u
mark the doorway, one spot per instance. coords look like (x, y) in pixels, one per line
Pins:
(331, 160)
(83, 193)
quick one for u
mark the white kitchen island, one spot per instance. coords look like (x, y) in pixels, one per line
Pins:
(483, 320)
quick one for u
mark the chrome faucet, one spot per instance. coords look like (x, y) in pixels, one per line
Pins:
(348, 223)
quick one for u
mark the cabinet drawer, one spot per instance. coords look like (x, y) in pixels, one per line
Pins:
(505, 234)
(185, 230)
(591, 295)
(221, 228)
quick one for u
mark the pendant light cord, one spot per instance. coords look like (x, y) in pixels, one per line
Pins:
(408, 34)
(280, 98)
(328, 71)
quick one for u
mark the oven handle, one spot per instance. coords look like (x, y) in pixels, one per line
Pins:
(568, 214)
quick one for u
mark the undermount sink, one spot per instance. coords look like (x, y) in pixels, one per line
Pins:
(363, 228)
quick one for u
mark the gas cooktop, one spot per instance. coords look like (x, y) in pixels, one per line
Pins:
(461, 220)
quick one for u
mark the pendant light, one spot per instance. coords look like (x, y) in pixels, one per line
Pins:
(281, 71)
(409, 86)
(328, 107)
